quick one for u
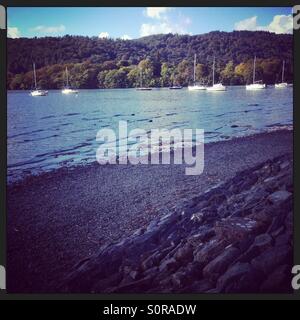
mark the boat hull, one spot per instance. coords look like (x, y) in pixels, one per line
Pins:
(217, 87)
(175, 88)
(39, 93)
(196, 88)
(255, 86)
(69, 91)
(281, 85)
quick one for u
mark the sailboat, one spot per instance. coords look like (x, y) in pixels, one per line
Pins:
(141, 88)
(67, 89)
(175, 87)
(196, 86)
(217, 86)
(256, 85)
(37, 92)
(282, 84)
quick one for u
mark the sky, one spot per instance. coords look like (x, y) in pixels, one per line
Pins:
(136, 22)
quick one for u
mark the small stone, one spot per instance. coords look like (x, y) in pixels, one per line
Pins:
(184, 253)
(168, 264)
(178, 279)
(277, 222)
(263, 241)
(284, 165)
(280, 196)
(211, 250)
(133, 274)
(197, 217)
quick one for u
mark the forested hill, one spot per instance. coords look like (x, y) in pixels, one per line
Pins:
(162, 60)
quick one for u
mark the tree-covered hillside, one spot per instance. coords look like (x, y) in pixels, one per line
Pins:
(159, 60)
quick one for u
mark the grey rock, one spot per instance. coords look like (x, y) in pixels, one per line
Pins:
(232, 274)
(272, 258)
(211, 250)
(218, 265)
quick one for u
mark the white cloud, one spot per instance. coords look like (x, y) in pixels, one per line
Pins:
(279, 24)
(13, 32)
(103, 35)
(126, 37)
(247, 24)
(49, 29)
(282, 24)
(147, 29)
(168, 24)
(156, 12)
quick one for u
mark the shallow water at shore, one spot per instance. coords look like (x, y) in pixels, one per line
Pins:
(45, 133)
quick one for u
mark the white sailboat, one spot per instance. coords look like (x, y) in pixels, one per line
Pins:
(256, 85)
(141, 88)
(282, 84)
(37, 92)
(196, 86)
(67, 89)
(217, 86)
(175, 87)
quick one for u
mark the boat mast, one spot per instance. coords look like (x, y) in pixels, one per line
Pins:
(67, 77)
(195, 68)
(214, 70)
(34, 75)
(282, 76)
(141, 78)
(254, 69)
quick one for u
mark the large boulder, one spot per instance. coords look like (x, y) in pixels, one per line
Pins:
(236, 229)
(219, 265)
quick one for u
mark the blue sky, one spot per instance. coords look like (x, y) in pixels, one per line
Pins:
(131, 23)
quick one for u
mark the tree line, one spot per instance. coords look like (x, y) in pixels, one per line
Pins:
(155, 61)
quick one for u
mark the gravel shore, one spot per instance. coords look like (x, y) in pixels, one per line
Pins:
(57, 219)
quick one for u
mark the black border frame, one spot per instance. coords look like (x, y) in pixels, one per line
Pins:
(3, 144)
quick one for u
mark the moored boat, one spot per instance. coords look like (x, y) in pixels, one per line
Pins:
(67, 89)
(282, 84)
(196, 86)
(216, 86)
(255, 85)
(175, 87)
(37, 92)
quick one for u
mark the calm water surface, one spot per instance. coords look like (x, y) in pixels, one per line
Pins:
(45, 133)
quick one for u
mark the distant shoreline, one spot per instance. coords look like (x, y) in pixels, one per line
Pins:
(183, 87)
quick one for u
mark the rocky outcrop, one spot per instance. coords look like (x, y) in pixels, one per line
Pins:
(234, 238)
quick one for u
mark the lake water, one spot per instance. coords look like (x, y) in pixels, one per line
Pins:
(45, 133)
